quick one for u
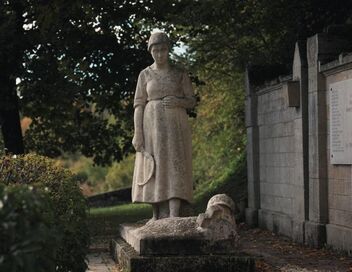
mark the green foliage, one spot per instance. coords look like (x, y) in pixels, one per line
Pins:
(129, 212)
(78, 62)
(236, 33)
(99, 178)
(67, 201)
(28, 234)
(232, 181)
(85, 169)
(120, 174)
(32, 169)
(218, 130)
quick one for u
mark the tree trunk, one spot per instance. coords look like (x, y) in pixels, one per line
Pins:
(11, 132)
(12, 45)
(9, 118)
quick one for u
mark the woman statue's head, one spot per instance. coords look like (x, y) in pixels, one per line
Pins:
(159, 47)
(158, 38)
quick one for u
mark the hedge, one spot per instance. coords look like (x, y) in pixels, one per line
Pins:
(68, 206)
(28, 236)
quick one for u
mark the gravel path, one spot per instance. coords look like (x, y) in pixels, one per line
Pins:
(99, 259)
(101, 262)
(278, 253)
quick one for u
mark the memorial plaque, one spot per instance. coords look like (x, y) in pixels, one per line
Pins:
(341, 122)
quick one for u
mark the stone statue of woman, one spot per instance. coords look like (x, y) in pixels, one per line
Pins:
(162, 135)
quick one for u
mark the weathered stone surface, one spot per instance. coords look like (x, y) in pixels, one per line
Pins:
(218, 222)
(131, 261)
(208, 242)
(339, 237)
(315, 234)
(162, 134)
(297, 184)
(174, 236)
(251, 217)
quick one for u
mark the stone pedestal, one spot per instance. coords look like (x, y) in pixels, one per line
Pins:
(176, 244)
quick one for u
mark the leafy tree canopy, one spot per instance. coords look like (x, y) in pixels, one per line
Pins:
(234, 33)
(78, 60)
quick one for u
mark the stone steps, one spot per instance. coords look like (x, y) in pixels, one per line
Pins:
(180, 248)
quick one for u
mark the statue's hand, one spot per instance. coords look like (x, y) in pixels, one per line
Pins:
(171, 102)
(138, 142)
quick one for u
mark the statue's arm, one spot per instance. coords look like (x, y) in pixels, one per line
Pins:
(138, 138)
(140, 100)
(188, 101)
(182, 102)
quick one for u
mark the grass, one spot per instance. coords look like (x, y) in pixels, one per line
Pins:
(104, 221)
(128, 211)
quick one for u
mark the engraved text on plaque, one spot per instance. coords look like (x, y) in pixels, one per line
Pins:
(341, 122)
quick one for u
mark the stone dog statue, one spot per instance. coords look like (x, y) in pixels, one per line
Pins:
(218, 222)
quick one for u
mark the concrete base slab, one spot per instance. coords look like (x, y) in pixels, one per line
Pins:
(131, 261)
(315, 234)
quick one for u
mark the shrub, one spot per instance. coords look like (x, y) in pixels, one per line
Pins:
(69, 205)
(28, 236)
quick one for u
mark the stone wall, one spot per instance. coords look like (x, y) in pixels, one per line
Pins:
(339, 227)
(294, 187)
(280, 156)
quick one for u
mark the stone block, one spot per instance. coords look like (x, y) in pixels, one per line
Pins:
(312, 112)
(298, 165)
(315, 234)
(284, 190)
(251, 217)
(298, 203)
(340, 217)
(131, 261)
(318, 200)
(284, 205)
(180, 245)
(345, 187)
(298, 231)
(339, 237)
(265, 219)
(299, 59)
(276, 222)
(340, 172)
(261, 119)
(174, 236)
(313, 158)
(251, 111)
(282, 224)
(267, 202)
(291, 90)
(343, 202)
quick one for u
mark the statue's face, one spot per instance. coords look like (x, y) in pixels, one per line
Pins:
(160, 53)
